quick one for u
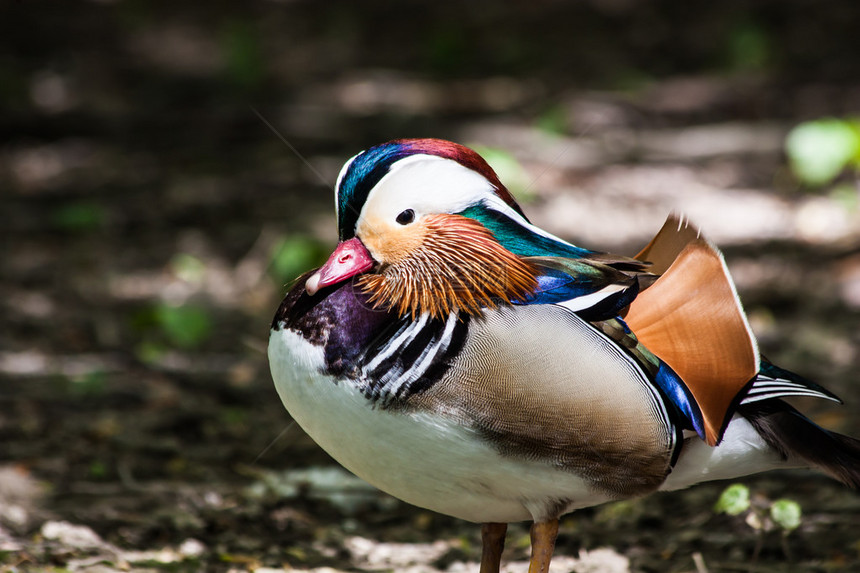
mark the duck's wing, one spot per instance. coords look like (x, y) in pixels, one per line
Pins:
(689, 319)
(540, 383)
(675, 234)
(597, 286)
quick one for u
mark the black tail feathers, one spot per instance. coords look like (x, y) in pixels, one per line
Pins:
(796, 436)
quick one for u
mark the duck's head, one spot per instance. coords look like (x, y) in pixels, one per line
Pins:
(427, 226)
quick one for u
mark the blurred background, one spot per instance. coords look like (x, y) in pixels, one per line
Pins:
(166, 169)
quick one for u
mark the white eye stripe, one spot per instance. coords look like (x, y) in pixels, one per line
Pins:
(425, 184)
(340, 177)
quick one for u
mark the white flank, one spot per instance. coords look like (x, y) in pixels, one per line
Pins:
(742, 452)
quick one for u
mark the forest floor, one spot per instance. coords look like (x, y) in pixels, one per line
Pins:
(153, 221)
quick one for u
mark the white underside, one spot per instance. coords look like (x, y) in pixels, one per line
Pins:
(435, 463)
(426, 460)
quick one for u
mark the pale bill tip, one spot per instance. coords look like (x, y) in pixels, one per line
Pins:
(312, 285)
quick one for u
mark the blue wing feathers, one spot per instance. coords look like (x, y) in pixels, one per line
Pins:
(674, 389)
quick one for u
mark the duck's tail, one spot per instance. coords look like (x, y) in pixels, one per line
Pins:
(798, 438)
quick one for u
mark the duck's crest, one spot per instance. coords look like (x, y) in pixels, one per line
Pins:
(361, 174)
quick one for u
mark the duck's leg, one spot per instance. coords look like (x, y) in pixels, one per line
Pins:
(543, 543)
(493, 540)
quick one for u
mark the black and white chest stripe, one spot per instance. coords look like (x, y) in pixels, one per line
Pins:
(411, 360)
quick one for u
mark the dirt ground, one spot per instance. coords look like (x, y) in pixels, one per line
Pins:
(149, 220)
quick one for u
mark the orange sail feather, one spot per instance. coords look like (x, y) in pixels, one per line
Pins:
(692, 319)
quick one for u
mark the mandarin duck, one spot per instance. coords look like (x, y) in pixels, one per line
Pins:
(462, 359)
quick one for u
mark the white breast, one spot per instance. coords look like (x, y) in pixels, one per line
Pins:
(422, 458)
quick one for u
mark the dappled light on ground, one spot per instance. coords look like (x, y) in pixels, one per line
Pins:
(151, 222)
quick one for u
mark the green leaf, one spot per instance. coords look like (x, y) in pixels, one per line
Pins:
(734, 500)
(749, 47)
(184, 326)
(446, 48)
(624, 511)
(847, 195)
(786, 513)
(188, 268)
(97, 469)
(243, 54)
(81, 216)
(820, 150)
(552, 121)
(150, 352)
(292, 256)
(91, 383)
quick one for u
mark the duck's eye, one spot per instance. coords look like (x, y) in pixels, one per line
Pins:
(406, 217)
